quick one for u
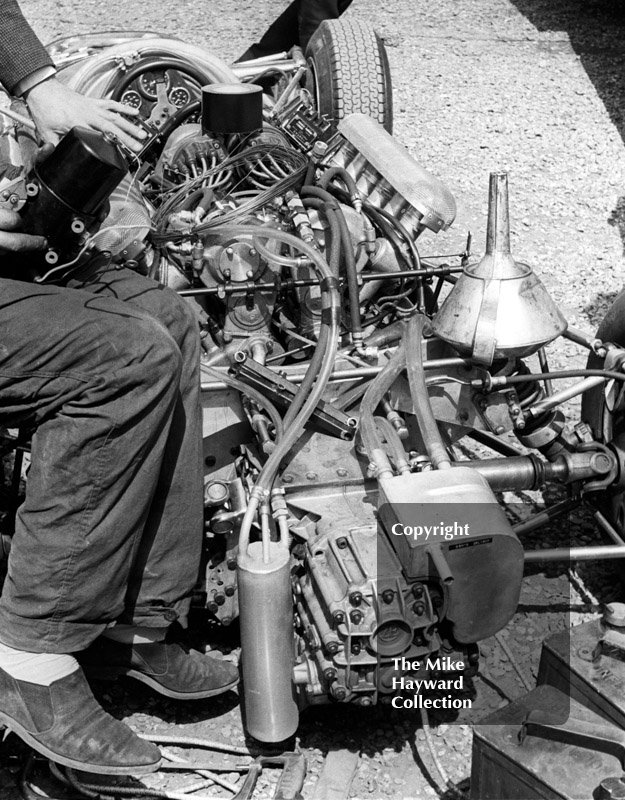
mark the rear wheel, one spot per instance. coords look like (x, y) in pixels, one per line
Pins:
(608, 423)
(349, 71)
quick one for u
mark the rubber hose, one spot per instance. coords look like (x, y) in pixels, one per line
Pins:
(328, 343)
(253, 394)
(309, 378)
(284, 261)
(315, 362)
(400, 457)
(373, 396)
(342, 173)
(385, 336)
(420, 399)
(353, 289)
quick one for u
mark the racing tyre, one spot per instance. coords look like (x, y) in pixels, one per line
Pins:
(608, 424)
(349, 71)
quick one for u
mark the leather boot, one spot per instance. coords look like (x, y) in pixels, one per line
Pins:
(169, 669)
(65, 723)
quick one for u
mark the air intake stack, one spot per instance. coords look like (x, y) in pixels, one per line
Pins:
(389, 178)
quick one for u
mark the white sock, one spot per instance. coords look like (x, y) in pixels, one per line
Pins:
(41, 668)
(135, 634)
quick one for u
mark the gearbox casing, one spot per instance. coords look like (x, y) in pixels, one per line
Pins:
(480, 563)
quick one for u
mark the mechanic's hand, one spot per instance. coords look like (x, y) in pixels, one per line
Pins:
(56, 108)
(11, 242)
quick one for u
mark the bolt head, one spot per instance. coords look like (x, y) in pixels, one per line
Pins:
(612, 789)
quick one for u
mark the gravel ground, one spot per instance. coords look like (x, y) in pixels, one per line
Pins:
(534, 87)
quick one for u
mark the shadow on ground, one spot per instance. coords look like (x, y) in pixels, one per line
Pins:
(596, 31)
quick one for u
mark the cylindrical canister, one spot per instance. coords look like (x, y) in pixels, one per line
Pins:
(74, 181)
(267, 644)
(83, 170)
(232, 108)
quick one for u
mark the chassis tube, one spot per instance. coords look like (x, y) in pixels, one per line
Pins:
(565, 394)
(598, 553)
(343, 374)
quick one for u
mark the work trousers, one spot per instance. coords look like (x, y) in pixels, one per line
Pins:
(295, 26)
(111, 527)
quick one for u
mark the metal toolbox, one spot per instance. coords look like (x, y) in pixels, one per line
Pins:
(519, 754)
(587, 663)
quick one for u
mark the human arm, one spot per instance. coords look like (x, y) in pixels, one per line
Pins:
(54, 107)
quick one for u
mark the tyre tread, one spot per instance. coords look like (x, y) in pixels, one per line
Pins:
(350, 57)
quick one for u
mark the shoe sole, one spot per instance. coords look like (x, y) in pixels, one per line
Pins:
(85, 766)
(110, 673)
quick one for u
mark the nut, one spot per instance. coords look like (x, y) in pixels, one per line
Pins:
(614, 614)
(355, 598)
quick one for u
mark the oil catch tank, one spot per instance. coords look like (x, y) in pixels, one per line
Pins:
(448, 526)
(267, 643)
(65, 197)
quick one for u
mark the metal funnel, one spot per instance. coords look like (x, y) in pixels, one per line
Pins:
(498, 308)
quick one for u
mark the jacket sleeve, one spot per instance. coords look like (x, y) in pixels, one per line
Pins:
(21, 52)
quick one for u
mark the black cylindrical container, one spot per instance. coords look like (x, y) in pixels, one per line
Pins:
(74, 181)
(65, 195)
(232, 108)
(83, 170)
